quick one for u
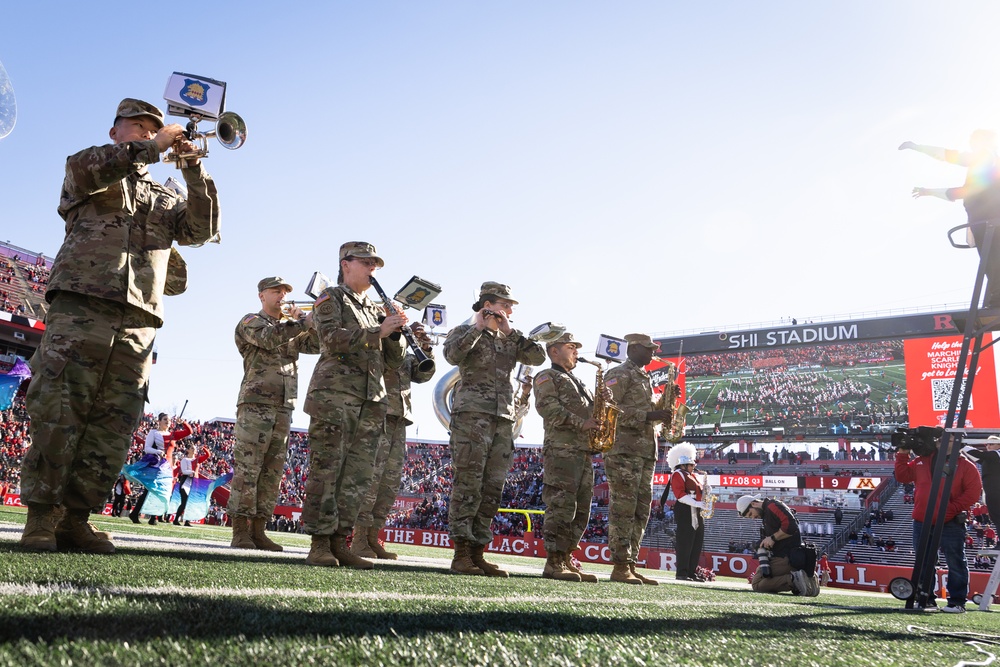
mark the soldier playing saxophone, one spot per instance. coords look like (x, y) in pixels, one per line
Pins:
(566, 407)
(631, 462)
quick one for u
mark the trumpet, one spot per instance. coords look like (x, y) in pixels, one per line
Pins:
(230, 130)
(424, 363)
(286, 308)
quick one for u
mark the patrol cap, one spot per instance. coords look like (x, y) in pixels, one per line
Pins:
(360, 249)
(565, 339)
(131, 107)
(491, 288)
(641, 339)
(272, 281)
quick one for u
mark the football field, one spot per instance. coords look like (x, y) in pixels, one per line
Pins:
(885, 380)
(181, 596)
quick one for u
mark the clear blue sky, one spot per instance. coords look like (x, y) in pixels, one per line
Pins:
(644, 166)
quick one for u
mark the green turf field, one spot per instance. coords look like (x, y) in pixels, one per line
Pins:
(706, 389)
(178, 596)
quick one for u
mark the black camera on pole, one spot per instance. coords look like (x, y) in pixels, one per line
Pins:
(922, 440)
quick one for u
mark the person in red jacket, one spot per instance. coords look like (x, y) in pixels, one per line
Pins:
(917, 467)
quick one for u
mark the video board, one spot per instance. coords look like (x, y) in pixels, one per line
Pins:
(861, 378)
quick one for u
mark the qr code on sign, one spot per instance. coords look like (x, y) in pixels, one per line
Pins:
(941, 393)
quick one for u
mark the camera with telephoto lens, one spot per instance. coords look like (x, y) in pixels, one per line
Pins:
(922, 440)
(764, 559)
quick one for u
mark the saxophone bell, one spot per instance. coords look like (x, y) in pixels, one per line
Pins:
(673, 427)
(605, 413)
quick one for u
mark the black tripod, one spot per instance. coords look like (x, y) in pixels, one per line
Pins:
(974, 327)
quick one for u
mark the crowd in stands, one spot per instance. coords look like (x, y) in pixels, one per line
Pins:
(34, 277)
(14, 441)
(427, 469)
(844, 354)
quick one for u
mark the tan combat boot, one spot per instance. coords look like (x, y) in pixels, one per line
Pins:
(338, 545)
(555, 568)
(319, 552)
(40, 529)
(462, 563)
(645, 580)
(489, 569)
(359, 543)
(241, 534)
(259, 538)
(57, 514)
(585, 577)
(624, 575)
(75, 532)
(373, 543)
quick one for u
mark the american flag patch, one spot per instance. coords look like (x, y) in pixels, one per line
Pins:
(543, 379)
(323, 297)
(249, 318)
(611, 382)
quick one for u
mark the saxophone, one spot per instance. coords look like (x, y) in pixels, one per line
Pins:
(709, 497)
(605, 412)
(669, 400)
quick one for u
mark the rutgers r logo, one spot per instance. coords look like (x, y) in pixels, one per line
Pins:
(943, 322)
(866, 483)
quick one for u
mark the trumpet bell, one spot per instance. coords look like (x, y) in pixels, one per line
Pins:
(231, 130)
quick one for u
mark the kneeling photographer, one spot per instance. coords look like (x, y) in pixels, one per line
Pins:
(785, 565)
(922, 443)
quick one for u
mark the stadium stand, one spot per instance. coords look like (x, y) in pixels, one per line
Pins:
(875, 529)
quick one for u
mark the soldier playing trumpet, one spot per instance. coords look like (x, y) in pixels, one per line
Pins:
(91, 370)
(270, 349)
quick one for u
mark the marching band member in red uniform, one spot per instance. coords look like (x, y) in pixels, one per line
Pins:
(687, 489)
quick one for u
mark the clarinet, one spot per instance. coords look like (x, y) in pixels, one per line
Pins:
(424, 363)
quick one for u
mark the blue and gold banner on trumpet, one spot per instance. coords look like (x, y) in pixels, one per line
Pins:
(435, 315)
(190, 94)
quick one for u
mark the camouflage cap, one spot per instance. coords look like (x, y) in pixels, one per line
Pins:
(130, 108)
(272, 281)
(565, 339)
(641, 339)
(360, 249)
(496, 289)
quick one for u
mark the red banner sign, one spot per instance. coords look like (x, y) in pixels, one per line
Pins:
(931, 366)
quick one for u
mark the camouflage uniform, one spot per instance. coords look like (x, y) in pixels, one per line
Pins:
(482, 420)
(631, 462)
(565, 404)
(347, 401)
(270, 349)
(106, 291)
(392, 449)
